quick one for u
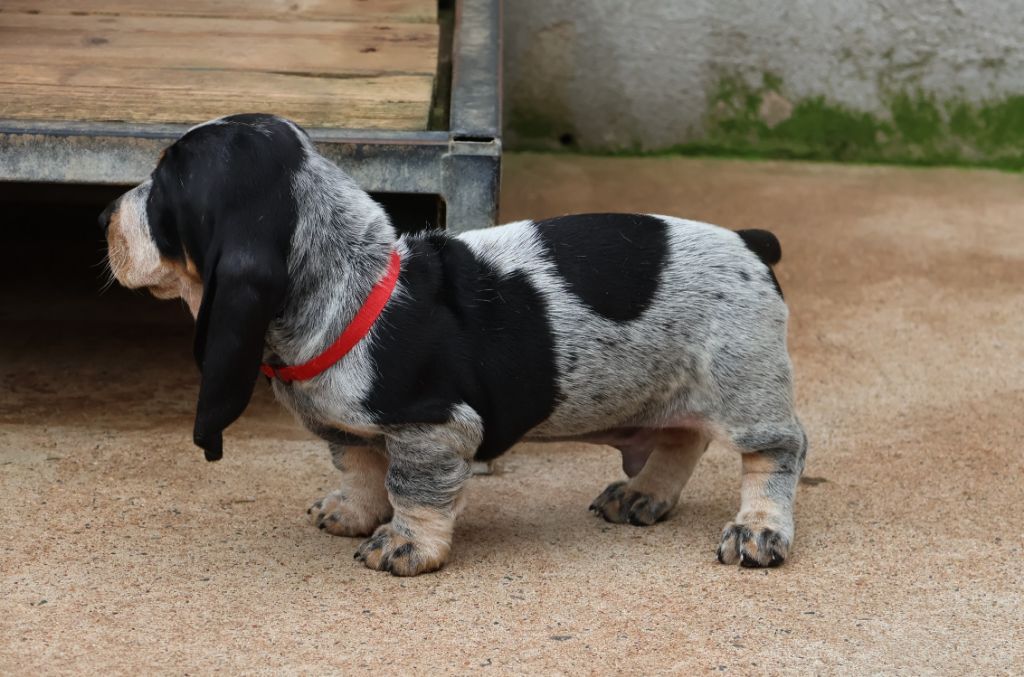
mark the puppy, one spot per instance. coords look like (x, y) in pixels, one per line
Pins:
(413, 356)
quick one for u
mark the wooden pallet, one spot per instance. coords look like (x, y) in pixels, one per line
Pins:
(362, 64)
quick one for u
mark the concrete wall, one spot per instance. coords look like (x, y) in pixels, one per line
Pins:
(919, 77)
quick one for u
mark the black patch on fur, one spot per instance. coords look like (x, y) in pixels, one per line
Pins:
(463, 333)
(611, 262)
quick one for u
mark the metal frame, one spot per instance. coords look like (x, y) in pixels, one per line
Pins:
(461, 165)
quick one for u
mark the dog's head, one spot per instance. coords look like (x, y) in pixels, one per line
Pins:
(213, 225)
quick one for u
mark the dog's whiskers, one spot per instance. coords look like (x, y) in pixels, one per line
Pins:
(108, 273)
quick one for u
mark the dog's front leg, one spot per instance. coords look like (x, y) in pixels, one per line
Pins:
(427, 468)
(360, 504)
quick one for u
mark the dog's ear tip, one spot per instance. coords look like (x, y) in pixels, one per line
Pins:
(211, 444)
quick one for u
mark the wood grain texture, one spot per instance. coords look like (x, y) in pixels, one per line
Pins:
(182, 95)
(387, 11)
(96, 65)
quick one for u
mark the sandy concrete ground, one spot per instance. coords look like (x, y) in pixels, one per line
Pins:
(123, 551)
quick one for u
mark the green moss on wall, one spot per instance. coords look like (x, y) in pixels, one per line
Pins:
(1002, 124)
(765, 121)
(917, 119)
(916, 129)
(815, 126)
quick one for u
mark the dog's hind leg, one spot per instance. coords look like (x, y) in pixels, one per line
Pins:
(649, 495)
(773, 459)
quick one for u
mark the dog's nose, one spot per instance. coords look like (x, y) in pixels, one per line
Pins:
(104, 219)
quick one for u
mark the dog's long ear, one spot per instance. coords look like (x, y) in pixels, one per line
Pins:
(242, 292)
(222, 197)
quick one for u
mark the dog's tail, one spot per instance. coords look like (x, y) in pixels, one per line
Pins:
(763, 243)
(767, 247)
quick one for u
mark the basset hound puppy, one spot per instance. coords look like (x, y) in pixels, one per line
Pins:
(414, 356)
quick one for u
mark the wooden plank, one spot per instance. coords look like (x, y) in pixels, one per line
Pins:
(385, 11)
(324, 63)
(312, 47)
(188, 96)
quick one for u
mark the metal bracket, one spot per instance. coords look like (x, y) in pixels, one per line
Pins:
(471, 183)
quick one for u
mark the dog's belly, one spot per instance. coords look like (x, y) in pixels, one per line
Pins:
(620, 436)
(615, 437)
(635, 443)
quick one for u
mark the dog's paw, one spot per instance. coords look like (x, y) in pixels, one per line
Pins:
(389, 550)
(336, 514)
(619, 504)
(752, 545)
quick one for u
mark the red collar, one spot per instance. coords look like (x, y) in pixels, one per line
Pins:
(354, 332)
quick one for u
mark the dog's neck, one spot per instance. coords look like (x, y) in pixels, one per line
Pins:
(341, 248)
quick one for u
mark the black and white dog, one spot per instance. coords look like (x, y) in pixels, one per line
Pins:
(412, 356)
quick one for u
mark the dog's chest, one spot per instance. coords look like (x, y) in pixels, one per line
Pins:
(319, 407)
